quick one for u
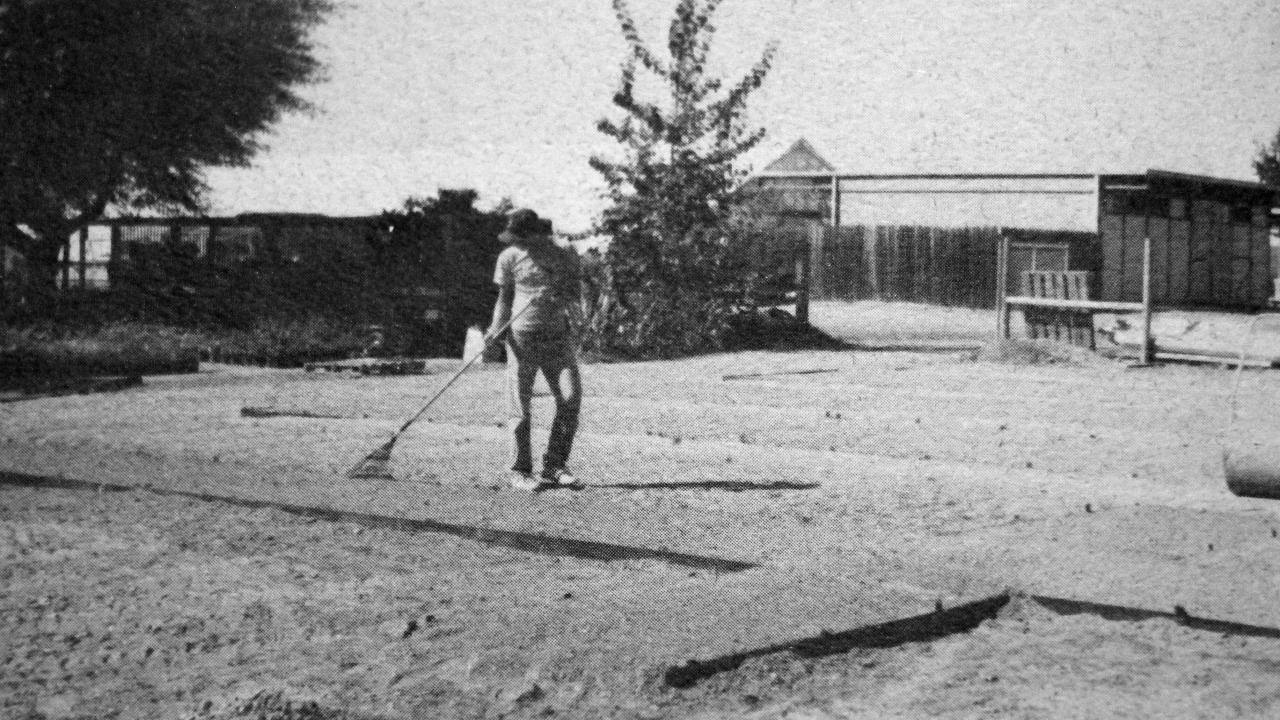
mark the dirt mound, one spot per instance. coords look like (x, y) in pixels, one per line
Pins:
(776, 329)
(1037, 352)
(277, 706)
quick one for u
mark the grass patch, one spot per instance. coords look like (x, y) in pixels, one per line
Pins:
(1015, 351)
(44, 351)
(33, 355)
(286, 343)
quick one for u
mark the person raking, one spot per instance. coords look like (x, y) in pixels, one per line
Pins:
(538, 283)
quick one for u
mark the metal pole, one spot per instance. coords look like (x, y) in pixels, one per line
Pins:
(835, 201)
(1002, 290)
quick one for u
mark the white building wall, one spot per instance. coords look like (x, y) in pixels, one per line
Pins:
(1033, 203)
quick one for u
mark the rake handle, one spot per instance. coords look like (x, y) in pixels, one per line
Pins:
(487, 341)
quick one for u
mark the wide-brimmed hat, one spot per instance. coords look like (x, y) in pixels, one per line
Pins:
(524, 224)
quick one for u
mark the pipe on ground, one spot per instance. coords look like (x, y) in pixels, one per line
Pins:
(1253, 471)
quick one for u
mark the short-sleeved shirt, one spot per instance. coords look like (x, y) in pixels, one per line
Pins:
(544, 277)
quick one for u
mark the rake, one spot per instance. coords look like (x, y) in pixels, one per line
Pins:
(374, 465)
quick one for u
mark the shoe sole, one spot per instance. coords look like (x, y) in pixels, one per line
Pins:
(529, 485)
(552, 485)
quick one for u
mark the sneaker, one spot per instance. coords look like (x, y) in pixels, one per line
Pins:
(561, 478)
(524, 481)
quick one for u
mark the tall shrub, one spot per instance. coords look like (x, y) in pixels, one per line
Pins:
(676, 269)
(1267, 162)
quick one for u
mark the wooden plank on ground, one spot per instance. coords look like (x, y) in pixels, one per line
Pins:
(372, 366)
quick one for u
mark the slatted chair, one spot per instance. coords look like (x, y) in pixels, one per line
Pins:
(1063, 325)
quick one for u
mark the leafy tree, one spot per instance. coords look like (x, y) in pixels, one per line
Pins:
(1267, 162)
(126, 102)
(443, 242)
(673, 274)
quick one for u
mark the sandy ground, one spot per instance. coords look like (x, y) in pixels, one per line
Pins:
(878, 489)
(881, 324)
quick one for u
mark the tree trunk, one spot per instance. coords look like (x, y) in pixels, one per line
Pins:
(42, 284)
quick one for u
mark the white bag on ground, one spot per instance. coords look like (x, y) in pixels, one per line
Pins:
(474, 344)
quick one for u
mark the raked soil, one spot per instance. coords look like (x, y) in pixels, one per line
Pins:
(881, 488)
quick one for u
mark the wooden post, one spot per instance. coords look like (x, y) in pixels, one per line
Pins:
(113, 256)
(817, 277)
(802, 288)
(66, 262)
(1147, 354)
(835, 201)
(871, 249)
(211, 243)
(1002, 290)
(804, 272)
(817, 251)
(84, 266)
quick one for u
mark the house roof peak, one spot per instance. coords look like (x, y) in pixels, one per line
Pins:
(800, 158)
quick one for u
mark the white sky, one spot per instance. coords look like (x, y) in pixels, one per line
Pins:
(503, 95)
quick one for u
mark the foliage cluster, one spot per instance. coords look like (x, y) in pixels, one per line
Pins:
(675, 272)
(443, 242)
(1267, 162)
(118, 348)
(288, 342)
(434, 254)
(125, 102)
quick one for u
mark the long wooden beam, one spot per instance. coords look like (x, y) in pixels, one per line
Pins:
(1098, 305)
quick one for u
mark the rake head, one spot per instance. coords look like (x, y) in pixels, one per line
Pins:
(374, 465)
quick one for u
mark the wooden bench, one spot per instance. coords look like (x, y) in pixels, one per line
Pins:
(1065, 318)
(1064, 324)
